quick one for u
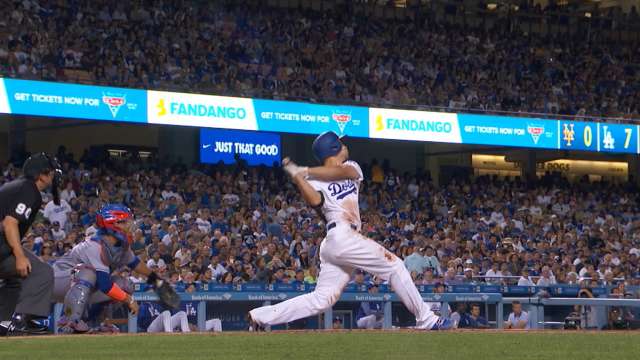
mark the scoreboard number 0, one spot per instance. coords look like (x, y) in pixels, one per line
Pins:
(587, 136)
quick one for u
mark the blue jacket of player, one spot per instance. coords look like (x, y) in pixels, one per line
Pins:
(370, 308)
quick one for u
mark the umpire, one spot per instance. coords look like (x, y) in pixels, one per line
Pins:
(27, 281)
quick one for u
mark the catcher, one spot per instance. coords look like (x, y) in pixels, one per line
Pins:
(82, 276)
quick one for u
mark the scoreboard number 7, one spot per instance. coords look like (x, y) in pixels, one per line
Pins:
(628, 132)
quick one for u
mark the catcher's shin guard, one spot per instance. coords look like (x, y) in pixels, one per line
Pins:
(82, 285)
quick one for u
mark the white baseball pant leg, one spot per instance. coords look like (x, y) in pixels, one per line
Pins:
(342, 250)
(180, 320)
(331, 280)
(214, 325)
(162, 323)
(358, 251)
(369, 322)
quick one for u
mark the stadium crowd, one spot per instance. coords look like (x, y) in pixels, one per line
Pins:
(209, 47)
(238, 224)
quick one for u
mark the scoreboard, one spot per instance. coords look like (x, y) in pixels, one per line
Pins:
(598, 137)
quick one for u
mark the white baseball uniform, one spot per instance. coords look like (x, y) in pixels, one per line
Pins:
(369, 322)
(165, 322)
(342, 250)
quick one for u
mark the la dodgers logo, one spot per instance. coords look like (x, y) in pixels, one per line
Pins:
(341, 190)
(608, 141)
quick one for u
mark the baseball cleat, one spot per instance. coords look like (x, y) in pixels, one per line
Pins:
(253, 325)
(73, 327)
(23, 325)
(443, 324)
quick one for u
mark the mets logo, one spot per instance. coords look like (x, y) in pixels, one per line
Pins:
(342, 119)
(114, 102)
(535, 131)
(569, 134)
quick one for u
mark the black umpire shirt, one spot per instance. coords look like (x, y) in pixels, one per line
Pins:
(20, 199)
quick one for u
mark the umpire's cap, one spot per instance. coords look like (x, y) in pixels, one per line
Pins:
(37, 164)
(325, 145)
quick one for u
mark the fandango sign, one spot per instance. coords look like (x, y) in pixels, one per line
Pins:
(206, 110)
(417, 125)
(413, 125)
(201, 110)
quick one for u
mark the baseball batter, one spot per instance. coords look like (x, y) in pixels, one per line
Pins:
(333, 190)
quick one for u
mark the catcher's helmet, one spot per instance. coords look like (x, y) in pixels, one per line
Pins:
(326, 144)
(109, 216)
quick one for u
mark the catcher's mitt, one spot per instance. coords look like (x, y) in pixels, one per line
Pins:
(168, 295)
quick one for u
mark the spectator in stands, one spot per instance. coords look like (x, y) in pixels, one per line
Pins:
(525, 279)
(432, 260)
(493, 275)
(448, 224)
(359, 279)
(518, 319)
(403, 74)
(57, 213)
(468, 277)
(416, 262)
(156, 262)
(427, 277)
(546, 277)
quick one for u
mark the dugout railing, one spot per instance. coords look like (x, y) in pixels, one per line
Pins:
(488, 295)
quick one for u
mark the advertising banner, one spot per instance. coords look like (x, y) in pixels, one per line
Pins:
(4, 101)
(40, 98)
(305, 118)
(508, 131)
(76, 101)
(413, 125)
(257, 148)
(207, 111)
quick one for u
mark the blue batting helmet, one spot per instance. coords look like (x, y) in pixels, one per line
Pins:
(326, 144)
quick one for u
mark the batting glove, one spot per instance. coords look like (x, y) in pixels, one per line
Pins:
(294, 170)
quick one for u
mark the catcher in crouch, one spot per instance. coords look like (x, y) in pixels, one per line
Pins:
(82, 275)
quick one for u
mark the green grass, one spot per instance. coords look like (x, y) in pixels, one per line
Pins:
(332, 345)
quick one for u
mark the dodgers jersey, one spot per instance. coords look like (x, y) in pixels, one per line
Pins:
(340, 197)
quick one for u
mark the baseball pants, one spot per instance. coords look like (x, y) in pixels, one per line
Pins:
(342, 250)
(30, 295)
(369, 322)
(62, 284)
(167, 323)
